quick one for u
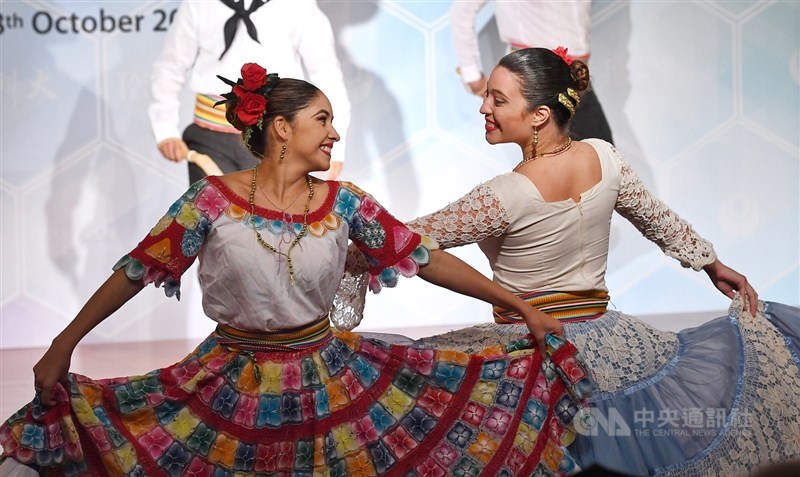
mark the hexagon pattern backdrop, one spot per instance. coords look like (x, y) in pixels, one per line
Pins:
(703, 98)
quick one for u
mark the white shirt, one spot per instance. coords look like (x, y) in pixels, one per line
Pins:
(294, 35)
(546, 24)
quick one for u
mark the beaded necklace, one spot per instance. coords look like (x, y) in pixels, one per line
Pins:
(533, 157)
(301, 234)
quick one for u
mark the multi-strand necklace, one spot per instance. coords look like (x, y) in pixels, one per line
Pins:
(301, 234)
(554, 152)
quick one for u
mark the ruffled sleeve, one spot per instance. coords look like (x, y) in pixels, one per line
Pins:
(390, 248)
(657, 222)
(172, 245)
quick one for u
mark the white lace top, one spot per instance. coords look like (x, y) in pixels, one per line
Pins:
(536, 245)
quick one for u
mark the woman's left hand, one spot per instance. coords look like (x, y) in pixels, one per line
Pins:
(729, 281)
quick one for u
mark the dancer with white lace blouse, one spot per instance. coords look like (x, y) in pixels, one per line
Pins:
(720, 399)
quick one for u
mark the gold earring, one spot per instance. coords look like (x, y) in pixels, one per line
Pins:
(283, 153)
(535, 136)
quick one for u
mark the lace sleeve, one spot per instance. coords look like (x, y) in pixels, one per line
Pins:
(660, 224)
(474, 217)
(348, 304)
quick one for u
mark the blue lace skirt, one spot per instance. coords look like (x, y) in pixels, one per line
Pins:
(719, 399)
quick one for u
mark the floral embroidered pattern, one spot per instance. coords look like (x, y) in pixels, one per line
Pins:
(173, 244)
(354, 405)
(624, 354)
(391, 249)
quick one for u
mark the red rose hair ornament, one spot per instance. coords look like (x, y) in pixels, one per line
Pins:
(249, 96)
(563, 53)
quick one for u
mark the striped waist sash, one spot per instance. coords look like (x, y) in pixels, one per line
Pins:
(565, 307)
(304, 337)
(209, 117)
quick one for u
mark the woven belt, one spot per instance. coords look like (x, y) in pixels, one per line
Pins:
(209, 117)
(303, 337)
(566, 307)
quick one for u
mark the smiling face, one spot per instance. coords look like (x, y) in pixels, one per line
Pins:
(505, 110)
(313, 133)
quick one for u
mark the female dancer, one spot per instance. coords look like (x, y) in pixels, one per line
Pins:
(273, 391)
(720, 399)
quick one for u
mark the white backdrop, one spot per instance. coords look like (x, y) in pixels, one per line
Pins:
(703, 98)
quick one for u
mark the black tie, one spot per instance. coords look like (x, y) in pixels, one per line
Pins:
(240, 13)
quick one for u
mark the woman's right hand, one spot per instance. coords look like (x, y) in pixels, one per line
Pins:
(50, 370)
(540, 324)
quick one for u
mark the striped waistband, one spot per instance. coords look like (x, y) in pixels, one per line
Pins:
(210, 117)
(304, 337)
(565, 307)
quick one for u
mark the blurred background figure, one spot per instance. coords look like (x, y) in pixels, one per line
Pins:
(526, 25)
(207, 39)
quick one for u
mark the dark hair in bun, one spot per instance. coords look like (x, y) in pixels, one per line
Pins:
(286, 98)
(543, 75)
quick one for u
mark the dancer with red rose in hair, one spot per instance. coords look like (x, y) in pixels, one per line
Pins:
(273, 391)
(217, 37)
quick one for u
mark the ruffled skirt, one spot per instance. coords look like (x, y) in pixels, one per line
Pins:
(719, 400)
(350, 407)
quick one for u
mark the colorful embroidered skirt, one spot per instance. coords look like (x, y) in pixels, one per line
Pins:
(351, 406)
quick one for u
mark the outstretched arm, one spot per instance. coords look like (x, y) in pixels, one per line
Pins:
(472, 218)
(53, 366)
(173, 238)
(675, 236)
(450, 272)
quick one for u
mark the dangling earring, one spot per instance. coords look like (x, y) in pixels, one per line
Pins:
(283, 153)
(535, 136)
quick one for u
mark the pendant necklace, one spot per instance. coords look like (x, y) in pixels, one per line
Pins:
(287, 229)
(300, 235)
